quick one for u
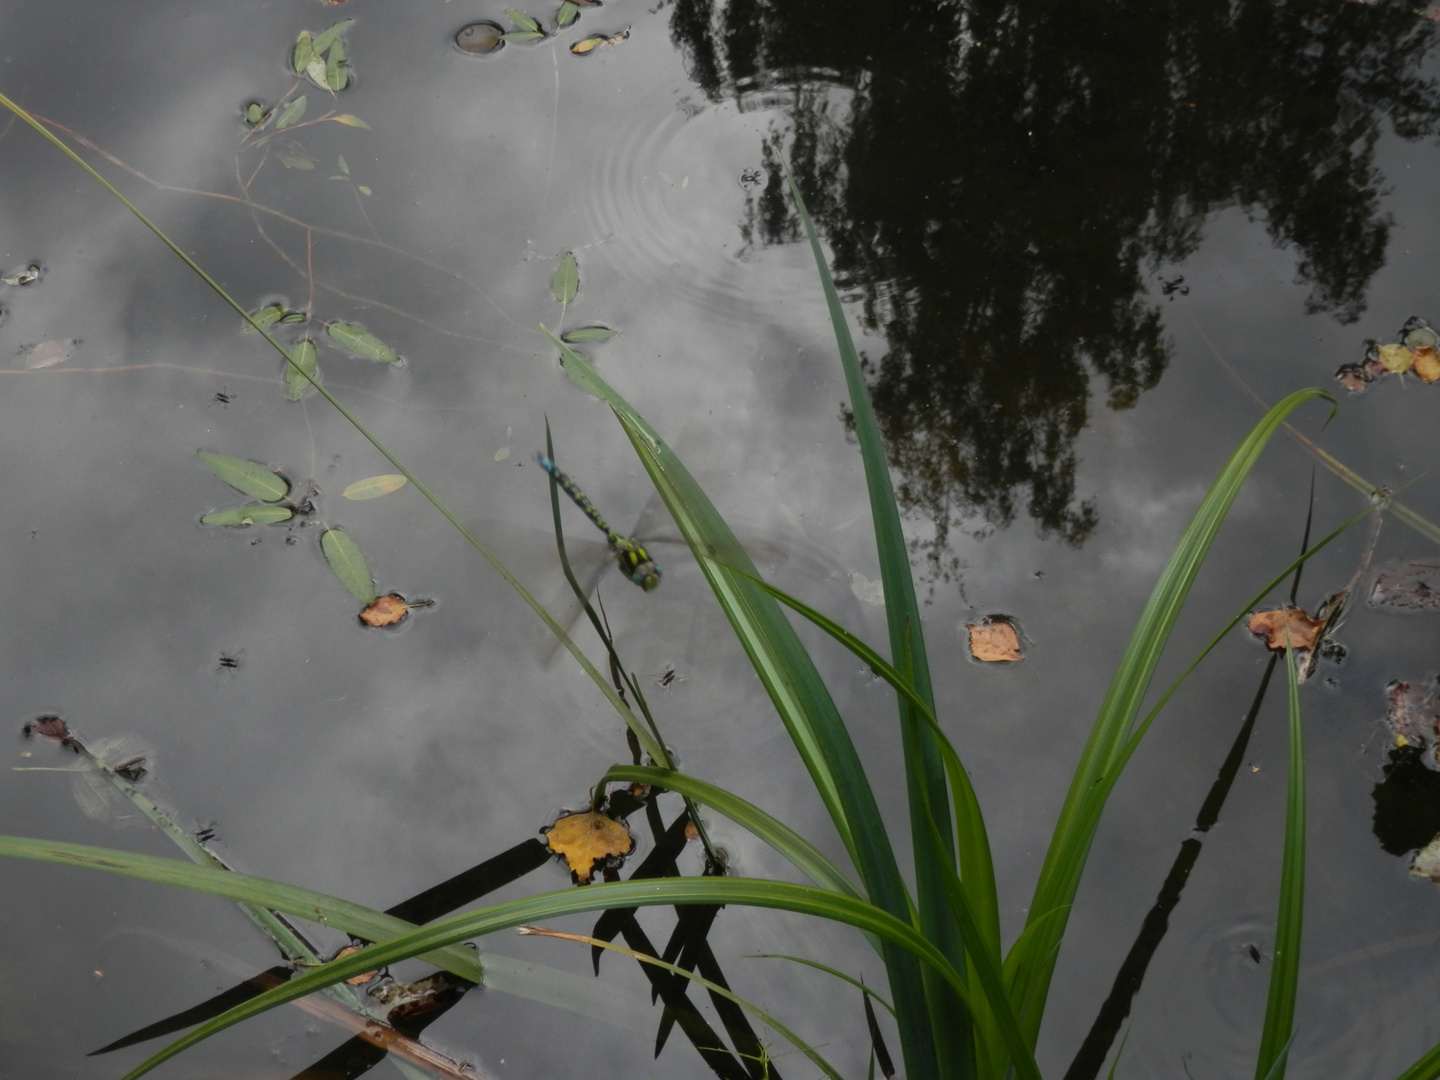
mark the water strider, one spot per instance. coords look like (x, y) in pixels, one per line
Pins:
(634, 562)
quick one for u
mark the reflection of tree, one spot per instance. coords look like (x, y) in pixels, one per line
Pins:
(998, 180)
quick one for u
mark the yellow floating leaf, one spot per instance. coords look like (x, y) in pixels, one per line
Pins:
(1272, 625)
(587, 841)
(372, 487)
(995, 641)
(386, 610)
(1396, 357)
(351, 120)
(1427, 363)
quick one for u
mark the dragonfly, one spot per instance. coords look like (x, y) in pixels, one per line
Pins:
(632, 558)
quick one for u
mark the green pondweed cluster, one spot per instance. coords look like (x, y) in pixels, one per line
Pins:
(964, 1005)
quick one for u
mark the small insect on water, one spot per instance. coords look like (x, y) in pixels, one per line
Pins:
(230, 663)
(668, 678)
(752, 178)
(222, 397)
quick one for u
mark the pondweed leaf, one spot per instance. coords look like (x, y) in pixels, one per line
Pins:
(350, 120)
(315, 72)
(566, 282)
(337, 75)
(291, 317)
(341, 164)
(343, 555)
(568, 14)
(590, 44)
(522, 35)
(363, 189)
(255, 115)
(246, 476)
(291, 113)
(361, 342)
(249, 515)
(270, 313)
(372, 487)
(326, 38)
(583, 334)
(294, 159)
(304, 52)
(305, 356)
(520, 19)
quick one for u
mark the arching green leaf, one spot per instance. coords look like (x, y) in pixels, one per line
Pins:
(361, 342)
(566, 282)
(305, 356)
(254, 480)
(568, 14)
(343, 555)
(249, 515)
(372, 487)
(326, 38)
(525, 22)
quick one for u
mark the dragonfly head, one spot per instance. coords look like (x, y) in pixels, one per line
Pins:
(648, 577)
(636, 564)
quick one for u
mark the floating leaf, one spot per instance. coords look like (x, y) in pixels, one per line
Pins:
(520, 19)
(306, 357)
(351, 120)
(249, 515)
(353, 339)
(255, 114)
(49, 353)
(254, 480)
(329, 37)
(1427, 363)
(304, 52)
(363, 189)
(315, 72)
(569, 12)
(337, 75)
(588, 839)
(587, 333)
(994, 642)
(1413, 587)
(386, 610)
(345, 560)
(1275, 626)
(372, 487)
(340, 162)
(291, 317)
(1418, 334)
(480, 37)
(291, 113)
(566, 282)
(522, 35)
(28, 276)
(270, 313)
(1396, 357)
(589, 44)
(294, 159)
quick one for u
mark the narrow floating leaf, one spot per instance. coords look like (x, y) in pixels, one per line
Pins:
(292, 317)
(294, 159)
(589, 44)
(249, 515)
(305, 356)
(270, 313)
(291, 113)
(363, 189)
(344, 168)
(520, 19)
(584, 334)
(246, 476)
(566, 282)
(522, 35)
(479, 38)
(372, 487)
(351, 120)
(568, 14)
(337, 75)
(326, 38)
(361, 342)
(304, 52)
(343, 555)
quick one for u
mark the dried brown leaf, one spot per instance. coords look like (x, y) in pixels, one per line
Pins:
(385, 610)
(994, 642)
(1272, 625)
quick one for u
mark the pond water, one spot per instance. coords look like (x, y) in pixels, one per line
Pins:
(1078, 243)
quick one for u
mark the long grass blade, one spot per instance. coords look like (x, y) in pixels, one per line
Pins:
(1285, 968)
(931, 833)
(1106, 750)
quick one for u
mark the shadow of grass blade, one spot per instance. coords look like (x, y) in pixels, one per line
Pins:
(800, 697)
(1106, 749)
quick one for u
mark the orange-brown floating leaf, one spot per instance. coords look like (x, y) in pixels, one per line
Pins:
(692, 831)
(1427, 363)
(995, 641)
(1271, 625)
(1396, 357)
(386, 610)
(52, 727)
(587, 840)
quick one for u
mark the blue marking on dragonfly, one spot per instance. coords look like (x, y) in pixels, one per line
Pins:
(634, 561)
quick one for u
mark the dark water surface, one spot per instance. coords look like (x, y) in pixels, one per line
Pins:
(1078, 241)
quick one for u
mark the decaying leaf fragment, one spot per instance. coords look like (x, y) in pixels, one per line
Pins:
(1396, 357)
(994, 641)
(386, 610)
(1427, 363)
(1272, 625)
(1412, 587)
(589, 841)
